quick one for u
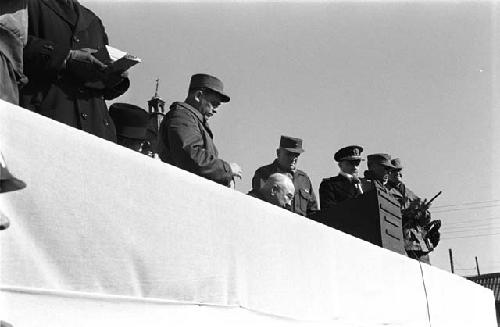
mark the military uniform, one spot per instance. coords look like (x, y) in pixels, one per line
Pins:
(304, 201)
(186, 141)
(336, 189)
(344, 186)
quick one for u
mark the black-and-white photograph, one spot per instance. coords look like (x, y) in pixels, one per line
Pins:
(243, 163)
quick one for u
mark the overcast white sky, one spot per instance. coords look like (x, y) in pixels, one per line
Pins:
(413, 79)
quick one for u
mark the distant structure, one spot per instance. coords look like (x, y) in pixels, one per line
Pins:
(491, 281)
(156, 110)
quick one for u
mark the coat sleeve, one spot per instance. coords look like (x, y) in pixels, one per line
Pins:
(186, 141)
(258, 180)
(326, 195)
(43, 58)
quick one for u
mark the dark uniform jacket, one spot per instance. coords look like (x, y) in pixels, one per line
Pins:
(304, 201)
(336, 189)
(53, 29)
(186, 141)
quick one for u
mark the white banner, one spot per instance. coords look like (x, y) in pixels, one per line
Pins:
(97, 220)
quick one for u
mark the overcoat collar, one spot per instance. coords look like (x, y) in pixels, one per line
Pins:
(198, 115)
(78, 23)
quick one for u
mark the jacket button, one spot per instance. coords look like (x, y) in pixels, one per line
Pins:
(84, 115)
(106, 123)
(76, 39)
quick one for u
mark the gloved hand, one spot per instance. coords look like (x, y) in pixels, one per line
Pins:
(433, 234)
(84, 66)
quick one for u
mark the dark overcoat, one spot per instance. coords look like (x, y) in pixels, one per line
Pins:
(53, 30)
(336, 189)
(186, 141)
(304, 200)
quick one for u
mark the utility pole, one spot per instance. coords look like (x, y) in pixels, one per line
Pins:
(477, 268)
(451, 261)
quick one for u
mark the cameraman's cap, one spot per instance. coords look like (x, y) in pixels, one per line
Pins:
(352, 152)
(209, 82)
(291, 144)
(380, 158)
(130, 120)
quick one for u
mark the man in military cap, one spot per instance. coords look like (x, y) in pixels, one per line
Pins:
(304, 201)
(277, 190)
(379, 166)
(420, 238)
(346, 185)
(186, 140)
(131, 122)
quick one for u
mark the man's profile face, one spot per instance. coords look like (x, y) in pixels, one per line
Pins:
(396, 176)
(287, 160)
(381, 172)
(209, 102)
(349, 166)
(283, 195)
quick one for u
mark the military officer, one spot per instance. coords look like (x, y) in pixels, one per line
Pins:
(304, 201)
(379, 166)
(186, 140)
(420, 240)
(346, 185)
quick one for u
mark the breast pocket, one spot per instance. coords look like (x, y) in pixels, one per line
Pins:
(303, 200)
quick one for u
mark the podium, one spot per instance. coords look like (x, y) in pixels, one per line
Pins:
(374, 216)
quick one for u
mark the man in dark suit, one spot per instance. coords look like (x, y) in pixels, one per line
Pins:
(304, 201)
(346, 185)
(131, 122)
(64, 60)
(186, 140)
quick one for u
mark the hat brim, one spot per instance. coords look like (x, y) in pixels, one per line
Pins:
(352, 158)
(223, 97)
(294, 150)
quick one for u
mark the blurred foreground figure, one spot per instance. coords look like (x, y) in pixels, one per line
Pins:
(131, 123)
(346, 185)
(13, 37)
(421, 235)
(65, 61)
(186, 140)
(277, 190)
(7, 183)
(304, 201)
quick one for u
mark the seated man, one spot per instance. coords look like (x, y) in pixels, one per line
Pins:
(346, 185)
(304, 201)
(277, 190)
(131, 122)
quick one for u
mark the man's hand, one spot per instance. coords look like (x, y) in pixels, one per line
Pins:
(85, 55)
(235, 170)
(84, 66)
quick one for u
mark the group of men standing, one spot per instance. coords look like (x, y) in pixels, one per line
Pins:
(64, 58)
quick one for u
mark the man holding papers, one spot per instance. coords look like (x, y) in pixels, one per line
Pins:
(66, 62)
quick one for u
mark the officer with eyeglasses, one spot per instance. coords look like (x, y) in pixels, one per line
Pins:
(185, 138)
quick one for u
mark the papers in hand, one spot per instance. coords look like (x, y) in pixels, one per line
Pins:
(120, 60)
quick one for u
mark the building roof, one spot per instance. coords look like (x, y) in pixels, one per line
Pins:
(491, 281)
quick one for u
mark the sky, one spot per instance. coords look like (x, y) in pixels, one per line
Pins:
(414, 79)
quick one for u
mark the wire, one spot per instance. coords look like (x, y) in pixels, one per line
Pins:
(445, 232)
(469, 236)
(463, 209)
(465, 204)
(472, 221)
